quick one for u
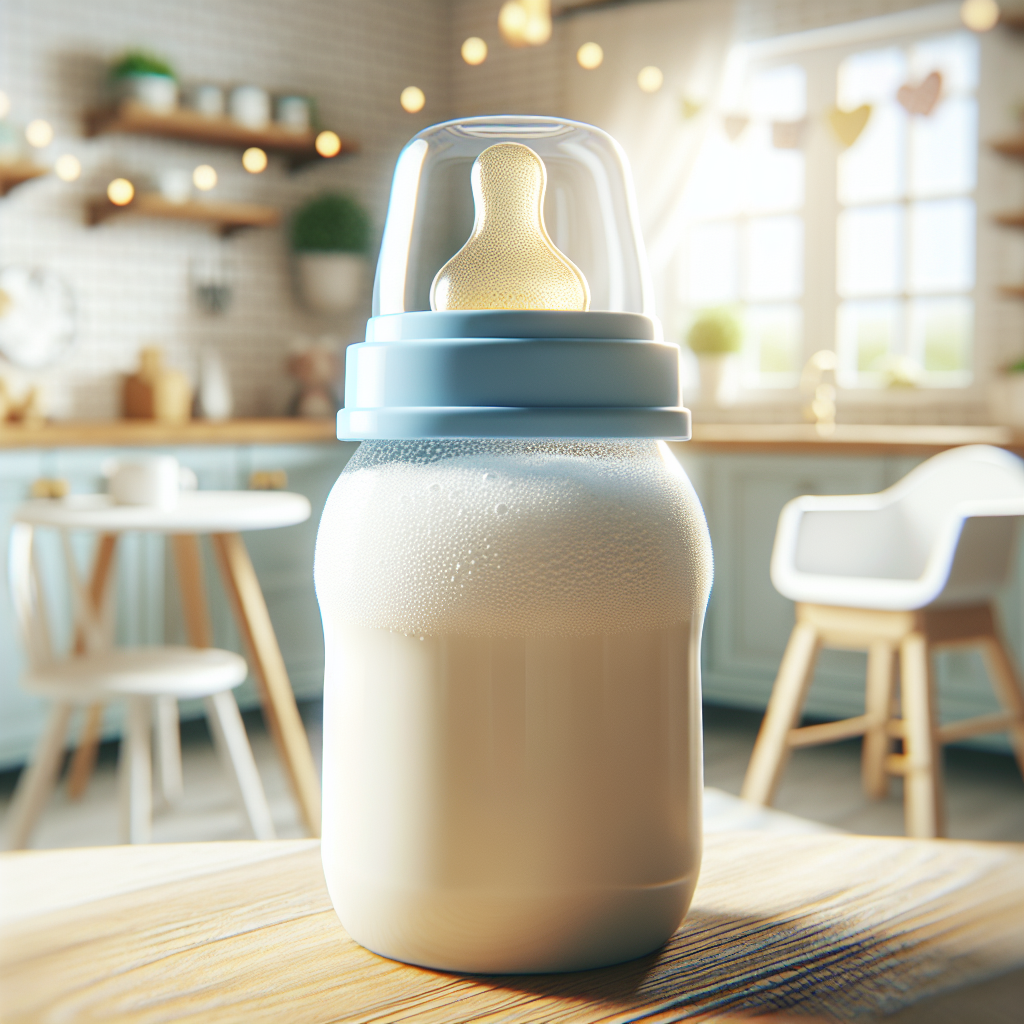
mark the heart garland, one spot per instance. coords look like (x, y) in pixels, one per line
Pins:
(848, 124)
(921, 99)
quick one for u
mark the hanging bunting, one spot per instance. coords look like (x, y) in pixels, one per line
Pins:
(848, 124)
(788, 134)
(920, 99)
(690, 108)
(734, 125)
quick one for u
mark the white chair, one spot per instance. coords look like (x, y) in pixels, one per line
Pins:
(139, 676)
(905, 571)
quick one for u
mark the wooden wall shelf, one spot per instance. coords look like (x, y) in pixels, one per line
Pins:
(1013, 291)
(1011, 219)
(1011, 146)
(132, 118)
(226, 217)
(18, 171)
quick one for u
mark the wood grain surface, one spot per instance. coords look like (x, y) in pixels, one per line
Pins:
(833, 927)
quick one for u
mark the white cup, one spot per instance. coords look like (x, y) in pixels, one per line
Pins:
(208, 100)
(155, 481)
(250, 105)
(293, 113)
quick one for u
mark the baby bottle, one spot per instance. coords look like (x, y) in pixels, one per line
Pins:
(512, 571)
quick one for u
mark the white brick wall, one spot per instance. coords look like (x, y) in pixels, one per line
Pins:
(131, 279)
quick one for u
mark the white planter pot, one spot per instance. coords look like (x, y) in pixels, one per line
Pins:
(719, 378)
(1008, 399)
(155, 92)
(330, 282)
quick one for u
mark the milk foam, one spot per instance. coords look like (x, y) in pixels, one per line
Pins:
(512, 538)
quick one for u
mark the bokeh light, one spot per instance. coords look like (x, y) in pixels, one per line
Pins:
(204, 177)
(328, 144)
(474, 50)
(39, 133)
(5, 104)
(67, 167)
(650, 78)
(120, 191)
(979, 15)
(412, 99)
(254, 160)
(589, 56)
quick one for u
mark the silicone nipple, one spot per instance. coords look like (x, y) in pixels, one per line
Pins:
(509, 261)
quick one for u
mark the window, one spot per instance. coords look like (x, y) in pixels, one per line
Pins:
(868, 250)
(905, 231)
(745, 238)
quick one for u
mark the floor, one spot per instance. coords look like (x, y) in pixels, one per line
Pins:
(821, 790)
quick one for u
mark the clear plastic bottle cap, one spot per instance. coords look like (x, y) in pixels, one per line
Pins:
(512, 297)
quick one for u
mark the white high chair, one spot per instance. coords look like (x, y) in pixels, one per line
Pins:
(137, 676)
(904, 571)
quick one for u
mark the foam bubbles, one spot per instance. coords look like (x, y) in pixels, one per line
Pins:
(512, 538)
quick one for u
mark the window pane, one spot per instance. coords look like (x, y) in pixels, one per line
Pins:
(779, 94)
(870, 251)
(941, 333)
(943, 149)
(712, 265)
(773, 345)
(942, 246)
(715, 187)
(774, 259)
(870, 77)
(867, 335)
(955, 57)
(872, 169)
(776, 176)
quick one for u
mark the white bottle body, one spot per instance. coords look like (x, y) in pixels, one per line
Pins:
(512, 759)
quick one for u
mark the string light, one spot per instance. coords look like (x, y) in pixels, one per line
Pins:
(650, 78)
(328, 144)
(525, 22)
(254, 160)
(67, 167)
(120, 191)
(39, 133)
(474, 50)
(589, 56)
(412, 99)
(204, 177)
(979, 15)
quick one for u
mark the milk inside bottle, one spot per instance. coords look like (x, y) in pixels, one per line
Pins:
(512, 572)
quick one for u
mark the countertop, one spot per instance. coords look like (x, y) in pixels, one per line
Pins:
(799, 927)
(781, 438)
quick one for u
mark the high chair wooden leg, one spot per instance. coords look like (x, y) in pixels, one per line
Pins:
(1009, 690)
(921, 763)
(787, 700)
(878, 707)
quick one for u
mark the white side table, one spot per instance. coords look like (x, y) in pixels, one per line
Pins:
(224, 515)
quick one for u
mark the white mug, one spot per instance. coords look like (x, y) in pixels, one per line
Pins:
(154, 480)
(250, 105)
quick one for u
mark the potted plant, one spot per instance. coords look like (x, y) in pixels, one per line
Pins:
(1008, 395)
(147, 79)
(715, 337)
(330, 237)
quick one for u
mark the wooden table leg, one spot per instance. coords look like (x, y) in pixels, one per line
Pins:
(279, 707)
(83, 761)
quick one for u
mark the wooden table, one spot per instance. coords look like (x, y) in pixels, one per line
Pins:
(223, 515)
(832, 927)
